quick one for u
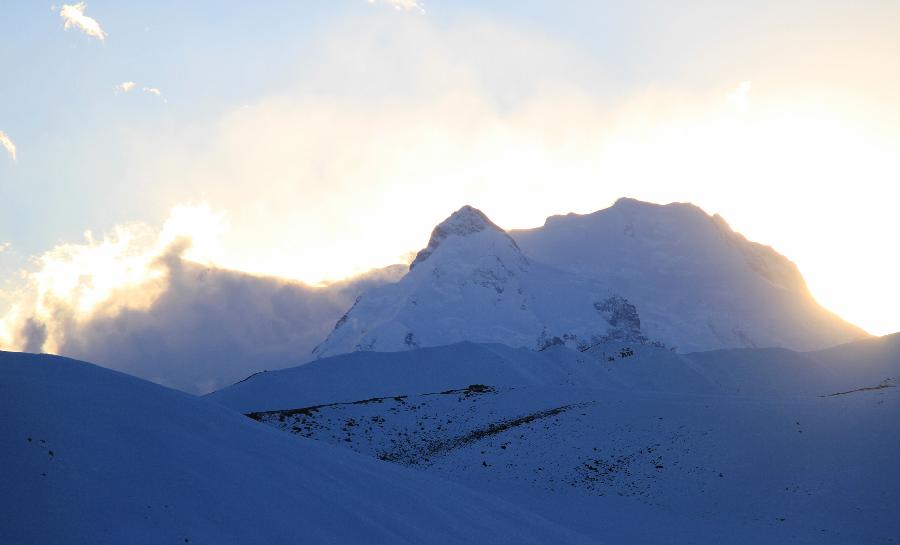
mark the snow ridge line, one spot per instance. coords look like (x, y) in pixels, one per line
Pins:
(281, 414)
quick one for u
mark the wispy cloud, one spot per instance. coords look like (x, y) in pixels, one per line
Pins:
(73, 15)
(740, 97)
(402, 5)
(8, 144)
(154, 91)
(128, 86)
(125, 86)
(5, 246)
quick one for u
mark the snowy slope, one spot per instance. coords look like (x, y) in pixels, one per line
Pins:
(764, 372)
(472, 283)
(93, 456)
(696, 283)
(673, 469)
(736, 446)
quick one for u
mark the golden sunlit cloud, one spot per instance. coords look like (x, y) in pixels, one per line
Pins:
(401, 5)
(72, 283)
(125, 86)
(73, 16)
(8, 144)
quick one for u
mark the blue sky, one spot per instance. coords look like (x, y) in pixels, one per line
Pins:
(306, 123)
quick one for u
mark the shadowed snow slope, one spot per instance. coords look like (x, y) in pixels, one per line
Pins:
(697, 284)
(619, 367)
(751, 446)
(91, 456)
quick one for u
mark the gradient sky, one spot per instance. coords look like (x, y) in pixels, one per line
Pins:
(317, 139)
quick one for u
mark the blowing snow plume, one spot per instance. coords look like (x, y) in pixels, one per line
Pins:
(134, 301)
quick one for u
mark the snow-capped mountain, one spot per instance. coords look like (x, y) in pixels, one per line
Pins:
(671, 275)
(91, 456)
(697, 284)
(472, 282)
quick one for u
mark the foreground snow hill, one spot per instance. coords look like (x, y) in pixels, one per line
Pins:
(669, 275)
(92, 456)
(733, 446)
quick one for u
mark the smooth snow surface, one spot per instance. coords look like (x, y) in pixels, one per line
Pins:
(91, 456)
(625, 443)
(696, 283)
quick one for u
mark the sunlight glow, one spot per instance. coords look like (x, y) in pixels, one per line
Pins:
(792, 172)
(123, 269)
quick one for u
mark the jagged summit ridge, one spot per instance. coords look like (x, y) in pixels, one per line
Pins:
(473, 283)
(466, 221)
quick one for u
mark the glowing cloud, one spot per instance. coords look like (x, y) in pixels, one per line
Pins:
(401, 5)
(73, 15)
(5, 246)
(146, 301)
(8, 144)
(125, 86)
(123, 270)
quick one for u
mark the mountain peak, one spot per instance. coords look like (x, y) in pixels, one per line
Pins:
(466, 221)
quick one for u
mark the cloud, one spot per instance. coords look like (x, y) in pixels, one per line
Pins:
(5, 246)
(128, 86)
(125, 86)
(356, 128)
(7, 143)
(73, 16)
(155, 92)
(401, 5)
(135, 302)
(740, 97)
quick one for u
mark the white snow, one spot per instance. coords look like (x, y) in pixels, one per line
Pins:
(625, 443)
(472, 283)
(518, 387)
(671, 275)
(696, 283)
(91, 456)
